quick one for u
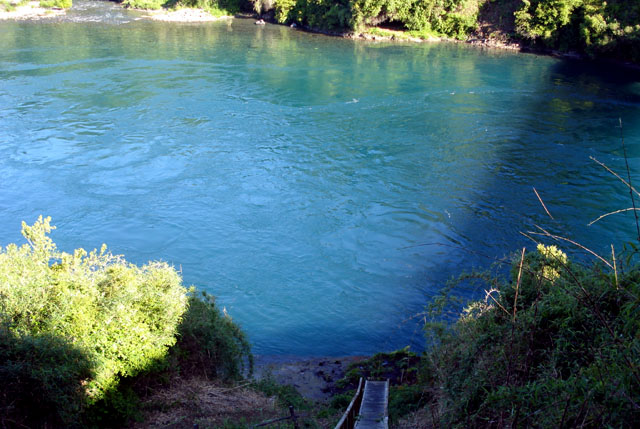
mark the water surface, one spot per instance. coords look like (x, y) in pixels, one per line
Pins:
(298, 177)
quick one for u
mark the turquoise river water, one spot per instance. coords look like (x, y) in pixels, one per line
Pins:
(323, 189)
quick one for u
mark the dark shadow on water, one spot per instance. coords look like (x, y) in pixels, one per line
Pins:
(572, 114)
(538, 127)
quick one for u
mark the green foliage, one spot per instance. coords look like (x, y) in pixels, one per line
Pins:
(144, 4)
(283, 11)
(11, 5)
(341, 401)
(210, 344)
(42, 380)
(596, 27)
(454, 18)
(58, 4)
(81, 333)
(319, 14)
(286, 395)
(400, 366)
(560, 348)
(543, 18)
(405, 399)
(215, 7)
(119, 317)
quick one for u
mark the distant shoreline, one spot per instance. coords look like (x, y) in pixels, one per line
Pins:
(182, 15)
(31, 10)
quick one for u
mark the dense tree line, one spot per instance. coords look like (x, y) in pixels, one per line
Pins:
(593, 27)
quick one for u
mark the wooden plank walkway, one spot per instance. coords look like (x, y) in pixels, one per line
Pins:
(373, 410)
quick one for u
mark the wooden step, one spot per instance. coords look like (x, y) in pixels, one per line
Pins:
(373, 410)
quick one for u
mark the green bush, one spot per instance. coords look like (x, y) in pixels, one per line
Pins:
(283, 9)
(595, 27)
(215, 7)
(323, 14)
(144, 4)
(42, 379)
(286, 395)
(560, 348)
(210, 343)
(58, 4)
(117, 318)
(454, 18)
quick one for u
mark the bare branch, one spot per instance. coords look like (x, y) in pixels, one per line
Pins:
(615, 174)
(612, 213)
(515, 300)
(541, 202)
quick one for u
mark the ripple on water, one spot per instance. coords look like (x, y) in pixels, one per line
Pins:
(322, 189)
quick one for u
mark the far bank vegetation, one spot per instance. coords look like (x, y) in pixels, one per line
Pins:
(594, 28)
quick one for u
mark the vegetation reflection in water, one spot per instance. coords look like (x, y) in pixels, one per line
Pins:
(296, 176)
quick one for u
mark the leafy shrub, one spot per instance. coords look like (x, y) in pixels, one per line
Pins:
(215, 7)
(210, 343)
(144, 4)
(42, 379)
(115, 318)
(324, 14)
(405, 399)
(283, 9)
(559, 348)
(58, 4)
(285, 394)
(453, 18)
(595, 27)
(543, 18)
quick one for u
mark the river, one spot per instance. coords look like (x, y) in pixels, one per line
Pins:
(323, 189)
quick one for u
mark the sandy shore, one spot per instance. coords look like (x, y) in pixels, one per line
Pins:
(31, 10)
(183, 15)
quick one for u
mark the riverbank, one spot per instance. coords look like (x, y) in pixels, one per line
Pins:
(314, 378)
(183, 15)
(277, 382)
(483, 38)
(28, 11)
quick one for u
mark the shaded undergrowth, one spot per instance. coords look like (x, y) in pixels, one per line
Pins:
(554, 345)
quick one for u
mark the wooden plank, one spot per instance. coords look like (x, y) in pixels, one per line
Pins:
(373, 410)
